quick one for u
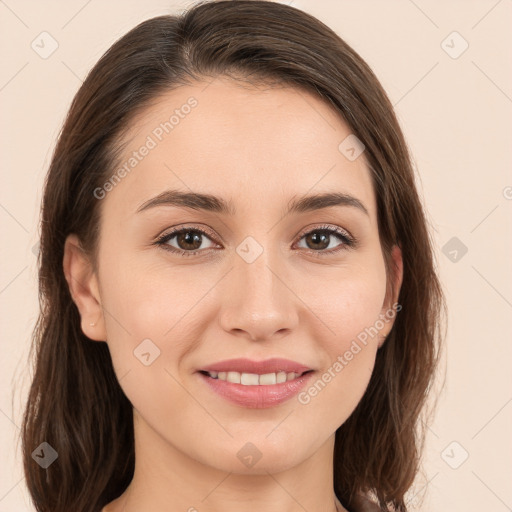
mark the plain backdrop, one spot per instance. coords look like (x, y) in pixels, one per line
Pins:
(446, 67)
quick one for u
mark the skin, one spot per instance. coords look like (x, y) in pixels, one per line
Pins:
(259, 148)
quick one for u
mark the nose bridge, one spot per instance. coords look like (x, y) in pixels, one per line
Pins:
(257, 274)
(258, 301)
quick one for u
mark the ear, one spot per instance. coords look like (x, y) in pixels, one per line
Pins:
(391, 307)
(83, 286)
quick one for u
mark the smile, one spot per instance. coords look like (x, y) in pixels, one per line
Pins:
(255, 391)
(254, 379)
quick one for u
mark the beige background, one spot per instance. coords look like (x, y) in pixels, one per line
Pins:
(456, 114)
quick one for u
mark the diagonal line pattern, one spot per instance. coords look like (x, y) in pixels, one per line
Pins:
(282, 421)
(485, 485)
(485, 15)
(217, 486)
(72, 71)
(76, 14)
(124, 375)
(429, 429)
(14, 76)
(12, 280)
(14, 218)
(116, 320)
(3, 3)
(503, 407)
(493, 287)
(417, 83)
(424, 13)
(11, 489)
(208, 85)
(421, 489)
(492, 211)
(492, 81)
(10, 419)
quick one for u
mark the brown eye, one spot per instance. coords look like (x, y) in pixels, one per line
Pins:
(323, 240)
(186, 241)
(318, 240)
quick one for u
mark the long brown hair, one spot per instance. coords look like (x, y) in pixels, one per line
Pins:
(75, 402)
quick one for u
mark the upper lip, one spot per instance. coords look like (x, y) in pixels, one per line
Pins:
(242, 365)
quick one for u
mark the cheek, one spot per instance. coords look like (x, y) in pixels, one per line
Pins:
(354, 310)
(145, 299)
(151, 309)
(149, 332)
(347, 305)
(352, 313)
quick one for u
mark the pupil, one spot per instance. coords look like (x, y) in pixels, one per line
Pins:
(187, 238)
(320, 237)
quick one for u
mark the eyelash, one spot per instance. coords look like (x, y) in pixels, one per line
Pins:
(348, 240)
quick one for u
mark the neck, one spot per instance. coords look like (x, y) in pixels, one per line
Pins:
(167, 479)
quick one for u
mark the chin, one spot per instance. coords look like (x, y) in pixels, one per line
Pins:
(267, 464)
(255, 454)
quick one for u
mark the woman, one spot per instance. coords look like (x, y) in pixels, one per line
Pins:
(240, 308)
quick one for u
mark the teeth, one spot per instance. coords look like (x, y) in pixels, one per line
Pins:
(268, 378)
(248, 379)
(233, 377)
(253, 379)
(281, 377)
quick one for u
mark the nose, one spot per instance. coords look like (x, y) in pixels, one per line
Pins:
(259, 303)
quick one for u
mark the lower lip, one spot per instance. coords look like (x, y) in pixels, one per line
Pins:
(260, 396)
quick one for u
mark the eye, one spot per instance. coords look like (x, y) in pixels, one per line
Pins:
(189, 241)
(319, 239)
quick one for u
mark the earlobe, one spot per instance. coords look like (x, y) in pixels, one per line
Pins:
(382, 339)
(83, 287)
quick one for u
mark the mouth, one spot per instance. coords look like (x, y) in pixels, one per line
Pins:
(256, 385)
(254, 379)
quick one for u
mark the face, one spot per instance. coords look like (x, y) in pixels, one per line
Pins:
(257, 280)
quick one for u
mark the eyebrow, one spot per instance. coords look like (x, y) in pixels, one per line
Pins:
(211, 203)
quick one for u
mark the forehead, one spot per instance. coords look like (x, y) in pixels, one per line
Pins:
(253, 146)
